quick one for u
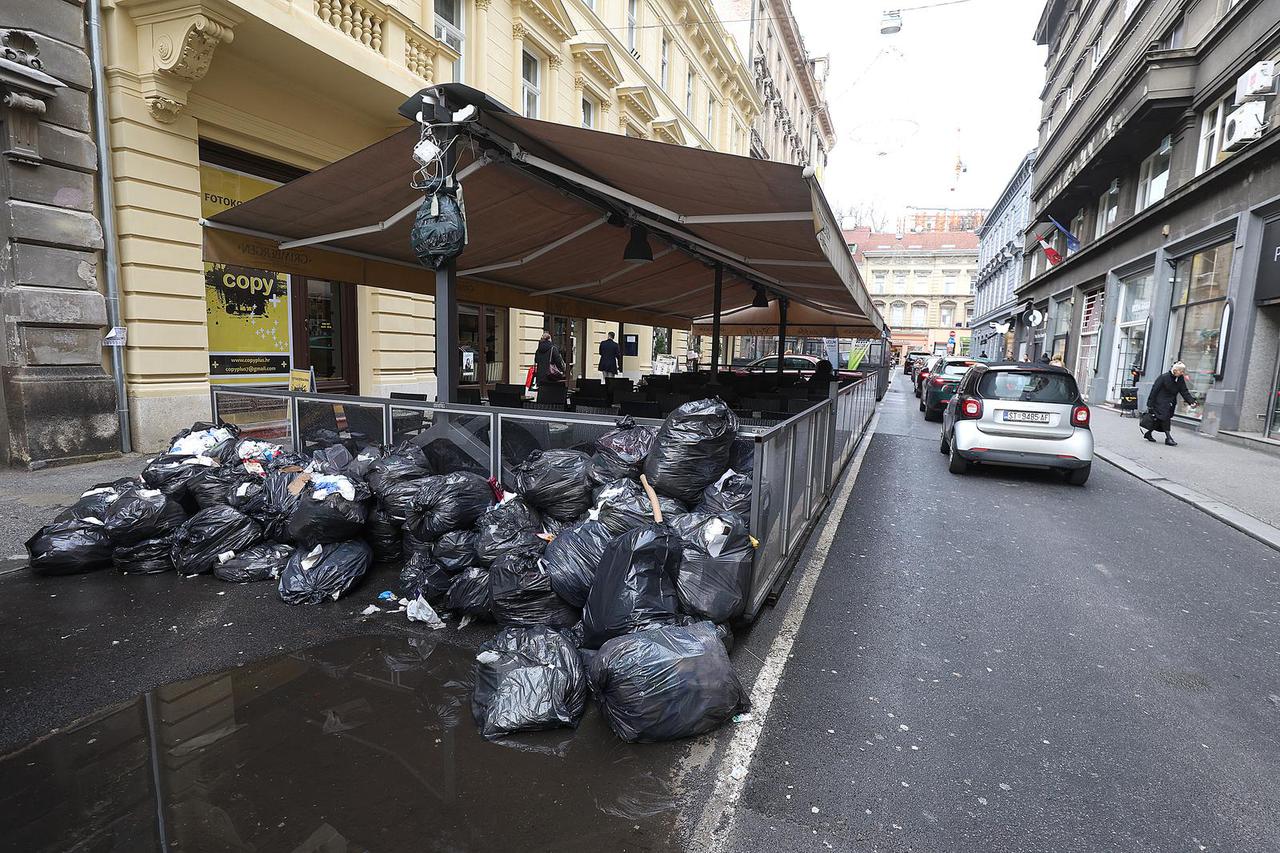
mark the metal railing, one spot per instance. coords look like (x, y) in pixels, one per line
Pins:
(796, 462)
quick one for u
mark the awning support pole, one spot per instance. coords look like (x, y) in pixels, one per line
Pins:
(448, 359)
(715, 321)
(782, 330)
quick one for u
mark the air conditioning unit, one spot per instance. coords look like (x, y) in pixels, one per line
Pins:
(1243, 125)
(1256, 84)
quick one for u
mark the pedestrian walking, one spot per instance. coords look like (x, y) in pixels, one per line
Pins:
(610, 357)
(547, 361)
(1161, 401)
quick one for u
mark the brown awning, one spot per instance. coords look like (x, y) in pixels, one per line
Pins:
(544, 203)
(802, 321)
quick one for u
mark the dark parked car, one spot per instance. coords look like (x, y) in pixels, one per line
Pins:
(941, 384)
(913, 360)
(922, 372)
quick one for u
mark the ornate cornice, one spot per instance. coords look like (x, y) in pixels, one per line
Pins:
(176, 41)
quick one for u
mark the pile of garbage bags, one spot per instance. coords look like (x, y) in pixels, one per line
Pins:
(612, 570)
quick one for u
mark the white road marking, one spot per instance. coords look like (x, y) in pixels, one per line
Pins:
(715, 828)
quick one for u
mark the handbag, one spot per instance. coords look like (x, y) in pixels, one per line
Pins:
(1148, 421)
(553, 370)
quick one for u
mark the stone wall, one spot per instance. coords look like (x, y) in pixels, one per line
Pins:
(57, 402)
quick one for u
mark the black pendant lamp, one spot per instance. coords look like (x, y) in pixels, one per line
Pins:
(638, 250)
(761, 299)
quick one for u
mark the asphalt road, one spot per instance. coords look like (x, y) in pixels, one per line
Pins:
(1002, 662)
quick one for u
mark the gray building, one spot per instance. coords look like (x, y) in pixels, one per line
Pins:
(57, 400)
(1000, 249)
(1158, 150)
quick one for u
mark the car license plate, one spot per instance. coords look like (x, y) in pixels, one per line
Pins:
(1027, 417)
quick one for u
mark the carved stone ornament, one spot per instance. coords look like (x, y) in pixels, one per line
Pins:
(176, 41)
(24, 89)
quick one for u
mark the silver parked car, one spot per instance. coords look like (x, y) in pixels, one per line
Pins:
(1011, 413)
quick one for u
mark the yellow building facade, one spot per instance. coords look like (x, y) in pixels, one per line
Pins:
(212, 102)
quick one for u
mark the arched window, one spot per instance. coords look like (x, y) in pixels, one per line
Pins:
(879, 306)
(919, 313)
(947, 315)
(896, 313)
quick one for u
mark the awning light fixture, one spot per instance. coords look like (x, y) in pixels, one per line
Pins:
(761, 299)
(638, 250)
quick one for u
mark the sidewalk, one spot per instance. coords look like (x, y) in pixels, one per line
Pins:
(1237, 485)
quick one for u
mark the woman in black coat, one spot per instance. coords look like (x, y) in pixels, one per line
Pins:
(1162, 399)
(546, 355)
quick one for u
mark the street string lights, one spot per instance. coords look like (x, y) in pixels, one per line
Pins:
(891, 20)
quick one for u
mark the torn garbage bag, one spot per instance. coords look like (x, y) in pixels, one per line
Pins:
(731, 493)
(209, 534)
(447, 502)
(420, 574)
(633, 588)
(326, 572)
(329, 510)
(571, 559)
(469, 594)
(528, 679)
(714, 578)
(510, 526)
(691, 449)
(69, 547)
(623, 505)
(94, 502)
(141, 514)
(256, 563)
(665, 683)
(620, 453)
(521, 594)
(456, 550)
(146, 557)
(555, 481)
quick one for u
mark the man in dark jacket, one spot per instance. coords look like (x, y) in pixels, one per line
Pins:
(610, 357)
(1163, 398)
(544, 357)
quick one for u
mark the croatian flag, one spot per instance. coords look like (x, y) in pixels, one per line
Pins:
(1073, 242)
(1049, 252)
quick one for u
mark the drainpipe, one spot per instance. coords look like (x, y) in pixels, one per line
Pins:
(107, 214)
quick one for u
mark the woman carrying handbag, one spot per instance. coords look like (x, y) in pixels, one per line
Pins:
(547, 361)
(1161, 402)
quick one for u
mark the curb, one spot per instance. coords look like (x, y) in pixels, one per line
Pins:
(1228, 515)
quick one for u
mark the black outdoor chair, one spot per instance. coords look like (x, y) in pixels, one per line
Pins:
(469, 396)
(593, 408)
(509, 388)
(547, 407)
(640, 409)
(506, 400)
(554, 393)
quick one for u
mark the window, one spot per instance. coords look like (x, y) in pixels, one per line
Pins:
(1130, 6)
(1211, 152)
(588, 112)
(947, 315)
(1153, 176)
(1069, 94)
(1176, 35)
(949, 284)
(688, 93)
(1108, 209)
(664, 67)
(1096, 52)
(1087, 350)
(877, 283)
(530, 75)
(632, 15)
(448, 29)
(1131, 332)
(1077, 226)
(919, 313)
(1195, 321)
(711, 114)
(1027, 386)
(897, 311)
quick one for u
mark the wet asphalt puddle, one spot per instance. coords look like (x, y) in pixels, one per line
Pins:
(362, 744)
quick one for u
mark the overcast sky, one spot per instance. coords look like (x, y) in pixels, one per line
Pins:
(956, 81)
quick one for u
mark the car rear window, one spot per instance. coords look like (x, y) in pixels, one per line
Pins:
(1028, 386)
(957, 370)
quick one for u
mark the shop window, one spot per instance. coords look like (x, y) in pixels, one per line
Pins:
(1131, 330)
(448, 29)
(531, 83)
(1195, 323)
(1087, 349)
(1153, 176)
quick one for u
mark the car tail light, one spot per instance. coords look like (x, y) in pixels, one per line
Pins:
(936, 381)
(1080, 416)
(971, 408)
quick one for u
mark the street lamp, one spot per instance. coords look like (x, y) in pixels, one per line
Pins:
(891, 19)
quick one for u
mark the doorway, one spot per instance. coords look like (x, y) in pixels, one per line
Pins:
(482, 341)
(569, 335)
(324, 333)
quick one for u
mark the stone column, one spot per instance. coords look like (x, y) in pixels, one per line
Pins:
(518, 33)
(551, 89)
(57, 403)
(479, 50)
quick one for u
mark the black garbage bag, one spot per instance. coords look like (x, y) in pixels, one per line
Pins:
(403, 462)
(325, 572)
(521, 594)
(553, 526)
(571, 559)
(333, 460)
(215, 486)
(691, 449)
(396, 497)
(469, 594)
(278, 504)
(620, 453)
(69, 547)
(141, 514)
(230, 432)
(731, 493)
(634, 587)
(510, 526)
(260, 562)
(145, 557)
(449, 502)
(332, 518)
(384, 535)
(210, 533)
(445, 455)
(555, 481)
(420, 574)
(172, 473)
(623, 505)
(456, 550)
(742, 455)
(714, 578)
(363, 462)
(249, 495)
(94, 502)
(439, 232)
(528, 679)
(666, 682)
